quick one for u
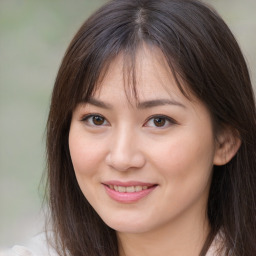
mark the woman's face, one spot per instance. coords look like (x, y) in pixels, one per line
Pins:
(143, 164)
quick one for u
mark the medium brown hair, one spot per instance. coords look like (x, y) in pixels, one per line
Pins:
(202, 53)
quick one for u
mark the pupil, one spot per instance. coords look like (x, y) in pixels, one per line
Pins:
(159, 121)
(98, 120)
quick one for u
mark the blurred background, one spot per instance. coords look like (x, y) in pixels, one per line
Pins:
(34, 35)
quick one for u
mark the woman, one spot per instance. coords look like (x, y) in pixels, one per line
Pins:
(151, 136)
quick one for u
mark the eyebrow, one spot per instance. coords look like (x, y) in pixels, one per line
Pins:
(140, 105)
(158, 102)
(99, 103)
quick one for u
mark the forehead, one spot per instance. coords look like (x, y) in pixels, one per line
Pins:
(147, 76)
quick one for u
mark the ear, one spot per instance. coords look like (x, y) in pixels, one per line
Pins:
(227, 145)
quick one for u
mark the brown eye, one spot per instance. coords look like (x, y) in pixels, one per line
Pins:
(98, 120)
(95, 120)
(159, 121)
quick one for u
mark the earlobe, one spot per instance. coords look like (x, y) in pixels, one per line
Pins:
(227, 146)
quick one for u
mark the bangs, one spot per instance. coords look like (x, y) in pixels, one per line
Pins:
(130, 60)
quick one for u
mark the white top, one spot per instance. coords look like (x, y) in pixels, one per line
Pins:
(38, 247)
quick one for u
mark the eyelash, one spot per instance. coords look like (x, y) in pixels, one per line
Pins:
(153, 118)
(166, 119)
(86, 119)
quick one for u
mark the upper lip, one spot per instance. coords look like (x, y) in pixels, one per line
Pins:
(128, 183)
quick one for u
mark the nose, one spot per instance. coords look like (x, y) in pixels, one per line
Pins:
(124, 152)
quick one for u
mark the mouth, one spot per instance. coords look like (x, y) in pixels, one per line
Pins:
(129, 189)
(128, 192)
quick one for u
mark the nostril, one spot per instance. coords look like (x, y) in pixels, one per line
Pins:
(124, 161)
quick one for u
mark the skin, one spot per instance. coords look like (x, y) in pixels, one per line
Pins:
(126, 144)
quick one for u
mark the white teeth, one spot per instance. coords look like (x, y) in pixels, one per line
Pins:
(129, 189)
(121, 189)
(138, 188)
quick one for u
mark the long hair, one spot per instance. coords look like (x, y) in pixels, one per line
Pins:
(202, 53)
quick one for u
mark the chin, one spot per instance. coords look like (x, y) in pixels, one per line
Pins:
(126, 228)
(128, 225)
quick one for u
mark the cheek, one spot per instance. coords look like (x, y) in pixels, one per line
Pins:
(186, 159)
(85, 155)
(186, 170)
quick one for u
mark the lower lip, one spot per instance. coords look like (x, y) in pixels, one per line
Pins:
(128, 197)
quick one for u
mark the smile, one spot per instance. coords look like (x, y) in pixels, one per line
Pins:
(130, 189)
(127, 192)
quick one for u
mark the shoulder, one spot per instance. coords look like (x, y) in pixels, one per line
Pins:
(217, 248)
(37, 246)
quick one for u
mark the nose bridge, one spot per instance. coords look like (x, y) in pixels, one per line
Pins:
(125, 152)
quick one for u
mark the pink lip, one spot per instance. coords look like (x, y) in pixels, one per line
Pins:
(127, 183)
(128, 197)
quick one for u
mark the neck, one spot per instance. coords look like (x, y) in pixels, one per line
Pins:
(180, 238)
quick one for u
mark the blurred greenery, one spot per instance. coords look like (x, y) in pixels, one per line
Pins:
(33, 37)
